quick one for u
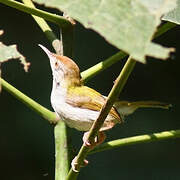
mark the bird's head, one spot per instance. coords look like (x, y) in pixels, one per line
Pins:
(65, 71)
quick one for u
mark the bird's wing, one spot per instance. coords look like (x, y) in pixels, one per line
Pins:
(87, 98)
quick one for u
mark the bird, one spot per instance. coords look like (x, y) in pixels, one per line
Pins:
(79, 105)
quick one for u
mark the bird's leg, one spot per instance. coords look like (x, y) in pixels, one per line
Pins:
(74, 164)
(98, 139)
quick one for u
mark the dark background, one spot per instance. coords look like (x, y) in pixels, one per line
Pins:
(26, 140)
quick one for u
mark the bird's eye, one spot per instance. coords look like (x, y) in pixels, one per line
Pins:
(56, 64)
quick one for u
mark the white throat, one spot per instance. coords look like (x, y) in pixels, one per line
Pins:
(58, 93)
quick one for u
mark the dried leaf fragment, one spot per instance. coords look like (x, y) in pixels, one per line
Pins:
(11, 52)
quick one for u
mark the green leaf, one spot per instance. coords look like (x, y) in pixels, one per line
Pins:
(11, 52)
(174, 15)
(128, 24)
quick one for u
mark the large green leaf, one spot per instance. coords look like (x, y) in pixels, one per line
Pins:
(174, 15)
(11, 52)
(127, 24)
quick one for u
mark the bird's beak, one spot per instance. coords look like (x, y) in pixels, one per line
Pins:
(49, 54)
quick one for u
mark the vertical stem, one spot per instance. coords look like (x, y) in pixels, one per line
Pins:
(62, 155)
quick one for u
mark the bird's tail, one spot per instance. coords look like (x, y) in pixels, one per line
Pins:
(126, 108)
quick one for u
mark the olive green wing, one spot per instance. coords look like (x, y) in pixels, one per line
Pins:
(87, 98)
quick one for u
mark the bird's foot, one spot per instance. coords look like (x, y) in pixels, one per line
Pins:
(98, 139)
(74, 164)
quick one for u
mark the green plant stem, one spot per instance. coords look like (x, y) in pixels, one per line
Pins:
(113, 95)
(42, 111)
(61, 21)
(96, 69)
(62, 149)
(137, 140)
(55, 42)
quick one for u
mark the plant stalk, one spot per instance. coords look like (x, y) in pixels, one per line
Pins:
(62, 151)
(137, 140)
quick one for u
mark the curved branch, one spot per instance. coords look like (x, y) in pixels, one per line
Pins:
(137, 140)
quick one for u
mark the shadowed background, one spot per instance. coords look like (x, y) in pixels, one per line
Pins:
(26, 139)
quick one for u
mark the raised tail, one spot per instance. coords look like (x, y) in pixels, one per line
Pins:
(126, 108)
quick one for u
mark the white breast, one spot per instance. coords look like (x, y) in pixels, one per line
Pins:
(75, 117)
